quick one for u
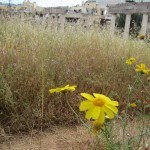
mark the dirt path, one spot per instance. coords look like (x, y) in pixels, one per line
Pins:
(73, 138)
(60, 138)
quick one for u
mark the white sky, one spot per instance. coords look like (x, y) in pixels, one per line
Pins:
(49, 3)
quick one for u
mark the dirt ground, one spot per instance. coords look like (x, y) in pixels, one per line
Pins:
(70, 138)
(59, 138)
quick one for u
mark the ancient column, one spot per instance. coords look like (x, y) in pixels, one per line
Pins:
(22, 16)
(62, 19)
(127, 26)
(112, 25)
(144, 24)
(1, 15)
(58, 22)
(54, 22)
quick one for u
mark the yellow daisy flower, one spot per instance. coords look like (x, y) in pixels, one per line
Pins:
(133, 105)
(97, 106)
(142, 69)
(63, 89)
(130, 61)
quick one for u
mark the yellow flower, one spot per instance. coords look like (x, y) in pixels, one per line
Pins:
(97, 106)
(142, 69)
(133, 105)
(63, 89)
(130, 61)
(69, 88)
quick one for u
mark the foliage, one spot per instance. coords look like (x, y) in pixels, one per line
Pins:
(34, 59)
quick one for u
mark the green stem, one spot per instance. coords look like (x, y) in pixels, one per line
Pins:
(126, 111)
(108, 136)
(125, 117)
(77, 115)
(42, 100)
(142, 131)
(143, 85)
(146, 43)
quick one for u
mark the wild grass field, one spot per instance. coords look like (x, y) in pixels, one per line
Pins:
(34, 60)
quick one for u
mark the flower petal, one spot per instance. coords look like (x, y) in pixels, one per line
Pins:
(52, 90)
(101, 96)
(109, 112)
(101, 117)
(111, 107)
(115, 103)
(143, 66)
(96, 112)
(87, 96)
(66, 86)
(57, 90)
(85, 105)
(89, 113)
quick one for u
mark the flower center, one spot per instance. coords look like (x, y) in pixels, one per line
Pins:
(99, 102)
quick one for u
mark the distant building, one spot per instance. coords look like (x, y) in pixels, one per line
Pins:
(55, 10)
(32, 7)
(106, 2)
(26, 6)
(110, 2)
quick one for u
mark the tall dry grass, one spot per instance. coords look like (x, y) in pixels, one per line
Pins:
(34, 59)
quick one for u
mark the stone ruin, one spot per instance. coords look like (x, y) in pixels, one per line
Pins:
(87, 16)
(58, 18)
(54, 18)
(128, 9)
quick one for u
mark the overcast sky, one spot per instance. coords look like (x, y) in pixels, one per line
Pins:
(48, 3)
